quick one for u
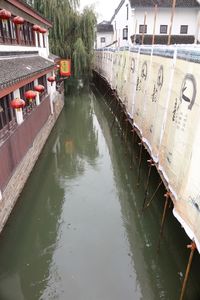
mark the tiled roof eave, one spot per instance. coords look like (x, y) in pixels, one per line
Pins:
(9, 83)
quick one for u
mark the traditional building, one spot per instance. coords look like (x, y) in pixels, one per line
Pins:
(104, 34)
(30, 102)
(132, 18)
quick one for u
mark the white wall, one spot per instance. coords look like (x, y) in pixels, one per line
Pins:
(44, 52)
(120, 21)
(108, 39)
(183, 16)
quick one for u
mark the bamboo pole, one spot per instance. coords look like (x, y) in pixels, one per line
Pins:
(166, 206)
(140, 161)
(145, 18)
(152, 197)
(192, 246)
(150, 162)
(171, 22)
(134, 41)
(154, 25)
(133, 139)
(197, 31)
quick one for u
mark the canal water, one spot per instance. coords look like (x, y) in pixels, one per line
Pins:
(77, 231)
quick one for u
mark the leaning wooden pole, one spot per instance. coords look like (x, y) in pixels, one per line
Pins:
(144, 25)
(154, 23)
(167, 195)
(192, 246)
(197, 31)
(135, 33)
(171, 22)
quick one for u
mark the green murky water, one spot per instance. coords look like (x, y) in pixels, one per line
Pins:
(77, 232)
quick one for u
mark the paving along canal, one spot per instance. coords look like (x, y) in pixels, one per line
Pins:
(77, 231)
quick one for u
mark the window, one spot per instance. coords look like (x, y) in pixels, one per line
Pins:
(43, 81)
(28, 33)
(103, 39)
(125, 33)
(143, 29)
(163, 28)
(44, 44)
(126, 11)
(7, 117)
(184, 29)
(5, 29)
(38, 38)
(10, 34)
(22, 34)
(29, 105)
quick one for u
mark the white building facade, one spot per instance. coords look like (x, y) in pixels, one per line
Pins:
(131, 15)
(104, 34)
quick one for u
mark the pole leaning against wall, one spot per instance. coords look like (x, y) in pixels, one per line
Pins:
(171, 22)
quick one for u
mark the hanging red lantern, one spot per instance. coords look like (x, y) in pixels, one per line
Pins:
(39, 88)
(42, 30)
(17, 103)
(18, 20)
(30, 95)
(5, 14)
(36, 27)
(51, 79)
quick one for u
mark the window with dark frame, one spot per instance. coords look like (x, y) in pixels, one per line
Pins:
(143, 29)
(125, 33)
(44, 44)
(9, 35)
(103, 39)
(184, 29)
(29, 105)
(6, 31)
(163, 29)
(126, 11)
(1, 31)
(38, 39)
(7, 116)
(43, 81)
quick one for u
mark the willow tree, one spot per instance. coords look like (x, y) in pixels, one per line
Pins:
(73, 33)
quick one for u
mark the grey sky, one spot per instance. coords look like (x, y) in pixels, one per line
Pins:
(104, 8)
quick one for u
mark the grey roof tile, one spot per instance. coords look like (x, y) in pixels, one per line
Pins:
(54, 57)
(164, 3)
(15, 69)
(104, 27)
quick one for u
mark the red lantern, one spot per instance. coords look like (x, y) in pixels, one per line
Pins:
(42, 30)
(39, 88)
(5, 14)
(18, 20)
(36, 27)
(17, 103)
(51, 79)
(30, 95)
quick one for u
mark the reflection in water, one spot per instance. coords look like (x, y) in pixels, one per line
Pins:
(79, 138)
(77, 231)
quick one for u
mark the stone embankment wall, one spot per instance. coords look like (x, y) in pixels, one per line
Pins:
(160, 89)
(24, 168)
